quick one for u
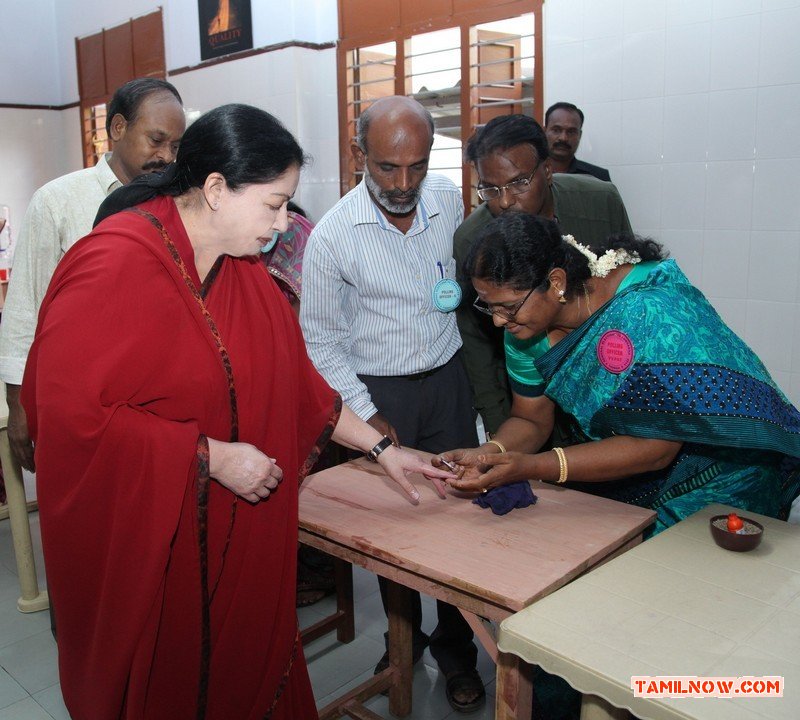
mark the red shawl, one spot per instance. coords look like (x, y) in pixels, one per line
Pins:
(172, 598)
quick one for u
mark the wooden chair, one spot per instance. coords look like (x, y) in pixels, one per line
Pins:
(31, 599)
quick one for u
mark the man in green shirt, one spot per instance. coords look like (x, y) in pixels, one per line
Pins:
(510, 156)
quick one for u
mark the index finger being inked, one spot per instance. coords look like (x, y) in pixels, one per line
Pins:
(442, 473)
(437, 476)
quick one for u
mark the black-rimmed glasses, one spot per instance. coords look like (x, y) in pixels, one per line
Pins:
(517, 187)
(501, 310)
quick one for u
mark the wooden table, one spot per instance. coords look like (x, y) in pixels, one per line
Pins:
(487, 565)
(677, 605)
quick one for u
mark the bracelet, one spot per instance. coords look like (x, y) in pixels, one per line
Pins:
(495, 442)
(562, 465)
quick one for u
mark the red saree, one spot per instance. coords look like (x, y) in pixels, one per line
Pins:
(172, 598)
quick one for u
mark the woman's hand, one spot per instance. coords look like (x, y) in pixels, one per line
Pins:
(468, 462)
(398, 463)
(463, 460)
(243, 469)
(490, 470)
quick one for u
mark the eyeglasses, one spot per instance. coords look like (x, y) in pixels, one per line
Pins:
(500, 310)
(517, 187)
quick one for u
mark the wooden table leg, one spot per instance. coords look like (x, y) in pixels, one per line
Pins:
(343, 620)
(483, 632)
(514, 688)
(346, 630)
(399, 601)
(31, 600)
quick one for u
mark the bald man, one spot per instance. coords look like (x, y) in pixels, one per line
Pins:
(377, 315)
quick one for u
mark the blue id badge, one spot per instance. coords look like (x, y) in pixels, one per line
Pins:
(446, 293)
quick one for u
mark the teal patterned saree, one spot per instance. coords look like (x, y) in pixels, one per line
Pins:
(688, 378)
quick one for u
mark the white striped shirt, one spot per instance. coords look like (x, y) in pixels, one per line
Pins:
(367, 303)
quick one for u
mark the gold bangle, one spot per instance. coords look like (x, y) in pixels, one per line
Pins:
(562, 465)
(495, 442)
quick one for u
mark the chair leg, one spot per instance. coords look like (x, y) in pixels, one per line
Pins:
(31, 600)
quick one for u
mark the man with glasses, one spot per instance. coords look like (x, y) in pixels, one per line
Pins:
(511, 157)
(563, 125)
(379, 293)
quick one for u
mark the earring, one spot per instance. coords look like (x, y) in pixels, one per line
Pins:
(561, 297)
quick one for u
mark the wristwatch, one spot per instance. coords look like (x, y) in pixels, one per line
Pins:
(379, 448)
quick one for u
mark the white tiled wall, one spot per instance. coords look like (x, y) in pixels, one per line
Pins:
(318, 127)
(694, 106)
(35, 146)
(297, 85)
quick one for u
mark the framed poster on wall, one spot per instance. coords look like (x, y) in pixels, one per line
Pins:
(226, 27)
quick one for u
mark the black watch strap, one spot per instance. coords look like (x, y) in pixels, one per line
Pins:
(379, 448)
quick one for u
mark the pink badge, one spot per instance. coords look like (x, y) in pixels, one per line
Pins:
(615, 351)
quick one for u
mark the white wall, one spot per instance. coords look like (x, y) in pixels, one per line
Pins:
(34, 148)
(273, 22)
(298, 86)
(29, 57)
(694, 106)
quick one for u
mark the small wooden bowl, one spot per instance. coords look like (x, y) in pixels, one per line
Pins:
(733, 541)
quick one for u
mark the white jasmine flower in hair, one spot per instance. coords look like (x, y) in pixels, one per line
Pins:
(590, 256)
(610, 259)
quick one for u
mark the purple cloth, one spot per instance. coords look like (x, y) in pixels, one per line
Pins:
(505, 498)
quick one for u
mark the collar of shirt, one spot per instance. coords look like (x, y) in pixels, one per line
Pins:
(105, 175)
(367, 212)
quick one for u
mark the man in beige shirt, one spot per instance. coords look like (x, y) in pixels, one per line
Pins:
(145, 123)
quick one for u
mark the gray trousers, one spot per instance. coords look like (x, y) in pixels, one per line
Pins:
(433, 413)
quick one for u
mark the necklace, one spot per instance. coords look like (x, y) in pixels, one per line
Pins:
(586, 295)
(588, 306)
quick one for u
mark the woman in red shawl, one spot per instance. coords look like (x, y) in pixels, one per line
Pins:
(169, 392)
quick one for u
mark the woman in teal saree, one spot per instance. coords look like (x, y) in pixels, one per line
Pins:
(663, 405)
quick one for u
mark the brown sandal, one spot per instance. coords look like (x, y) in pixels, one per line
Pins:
(312, 586)
(465, 683)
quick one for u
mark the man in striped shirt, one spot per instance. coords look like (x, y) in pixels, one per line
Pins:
(381, 330)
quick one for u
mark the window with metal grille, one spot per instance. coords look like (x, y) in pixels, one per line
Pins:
(466, 68)
(95, 137)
